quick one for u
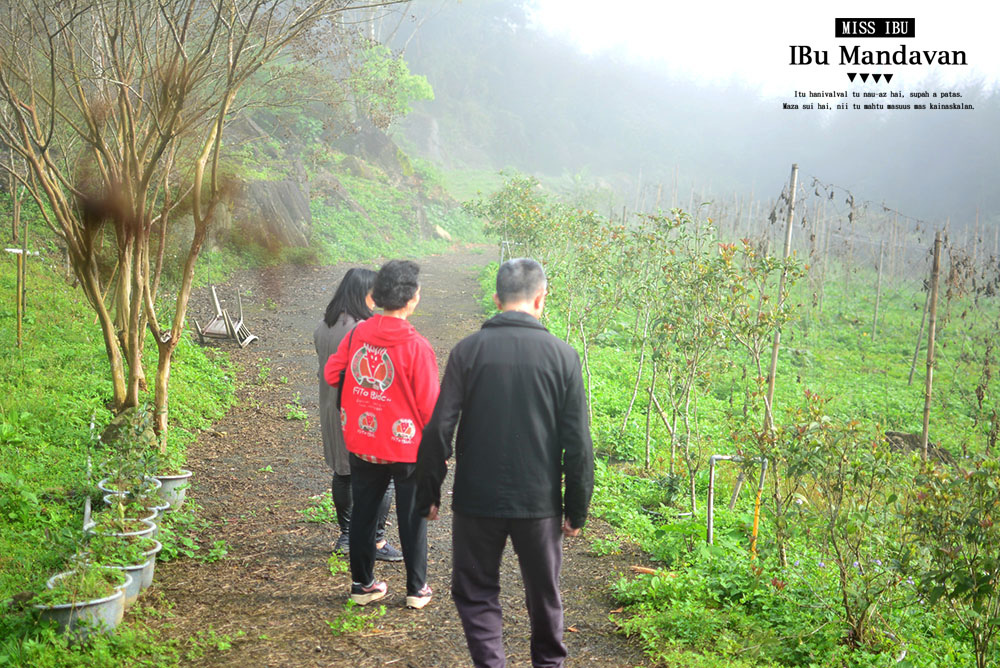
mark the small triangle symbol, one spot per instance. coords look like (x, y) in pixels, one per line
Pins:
(851, 75)
(864, 76)
(876, 77)
(888, 77)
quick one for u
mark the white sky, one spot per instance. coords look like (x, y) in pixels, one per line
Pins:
(720, 42)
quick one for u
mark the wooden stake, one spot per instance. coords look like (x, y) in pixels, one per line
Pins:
(878, 289)
(649, 411)
(827, 232)
(673, 196)
(975, 241)
(24, 270)
(768, 411)
(920, 337)
(935, 272)
(894, 247)
(20, 303)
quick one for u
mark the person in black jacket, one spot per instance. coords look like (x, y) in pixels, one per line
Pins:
(523, 430)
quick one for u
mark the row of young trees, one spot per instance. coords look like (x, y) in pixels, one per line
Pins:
(664, 286)
(112, 118)
(684, 309)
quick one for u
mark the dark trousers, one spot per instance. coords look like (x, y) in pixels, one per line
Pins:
(342, 503)
(477, 545)
(368, 484)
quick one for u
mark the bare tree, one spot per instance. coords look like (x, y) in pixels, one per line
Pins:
(118, 107)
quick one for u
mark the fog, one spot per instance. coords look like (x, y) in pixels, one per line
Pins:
(510, 95)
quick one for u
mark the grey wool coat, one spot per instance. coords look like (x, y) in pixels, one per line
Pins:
(327, 339)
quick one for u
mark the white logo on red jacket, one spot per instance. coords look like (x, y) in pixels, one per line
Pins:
(368, 423)
(404, 430)
(372, 368)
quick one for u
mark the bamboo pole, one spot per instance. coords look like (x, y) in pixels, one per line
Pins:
(920, 337)
(975, 241)
(673, 195)
(878, 289)
(768, 411)
(649, 411)
(22, 292)
(935, 272)
(894, 247)
(827, 233)
(20, 302)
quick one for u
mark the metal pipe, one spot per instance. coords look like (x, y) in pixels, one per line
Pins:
(710, 520)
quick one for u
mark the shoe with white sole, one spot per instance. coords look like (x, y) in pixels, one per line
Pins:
(420, 599)
(363, 595)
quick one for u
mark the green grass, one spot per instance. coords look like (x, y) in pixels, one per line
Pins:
(390, 227)
(713, 606)
(466, 184)
(58, 382)
(54, 385)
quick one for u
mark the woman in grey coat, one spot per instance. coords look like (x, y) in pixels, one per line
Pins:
(351, 303)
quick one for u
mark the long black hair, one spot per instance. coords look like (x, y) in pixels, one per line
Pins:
(350, 296)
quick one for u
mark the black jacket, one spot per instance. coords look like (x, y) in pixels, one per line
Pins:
(523, 426)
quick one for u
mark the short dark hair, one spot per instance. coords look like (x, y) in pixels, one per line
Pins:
(395, 284)
(350, 296)
(519, 279)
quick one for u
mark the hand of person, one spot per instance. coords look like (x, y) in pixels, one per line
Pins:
(432, 514)
(568, 530)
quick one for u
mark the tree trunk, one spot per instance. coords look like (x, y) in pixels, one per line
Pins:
(111, 343)
(160, 392)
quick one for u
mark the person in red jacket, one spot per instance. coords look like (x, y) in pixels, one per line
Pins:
(390, 385)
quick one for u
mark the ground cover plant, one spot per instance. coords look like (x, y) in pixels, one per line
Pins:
(858, 553)
(56, 386)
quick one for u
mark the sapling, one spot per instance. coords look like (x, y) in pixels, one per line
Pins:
(956, 518)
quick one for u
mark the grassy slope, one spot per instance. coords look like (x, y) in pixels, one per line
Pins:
(58, 382)
(712, 609)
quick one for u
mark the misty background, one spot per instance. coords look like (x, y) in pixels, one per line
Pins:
(509, 94)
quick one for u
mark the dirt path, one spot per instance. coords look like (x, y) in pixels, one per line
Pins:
(274, 594)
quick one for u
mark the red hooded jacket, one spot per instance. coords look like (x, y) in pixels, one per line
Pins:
(389, 389)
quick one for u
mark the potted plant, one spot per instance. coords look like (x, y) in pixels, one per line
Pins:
(147, 506)
(130, 454)
(133, 555)
(175, 481)
(114, 523)
(87, 598)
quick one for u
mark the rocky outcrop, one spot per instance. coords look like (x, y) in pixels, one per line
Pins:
(274, 214)
(334, 193)
(903, 442)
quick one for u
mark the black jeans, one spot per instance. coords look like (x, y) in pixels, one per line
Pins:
(368, 484)
(343, 503)
(477, 546)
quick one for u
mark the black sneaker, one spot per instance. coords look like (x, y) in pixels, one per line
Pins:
(388, 553)
(343, 545)
(365, 595)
